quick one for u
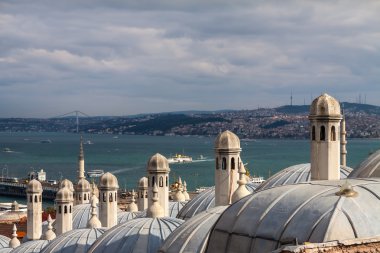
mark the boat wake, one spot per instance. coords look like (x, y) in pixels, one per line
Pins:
(202, 160)
(126, 169)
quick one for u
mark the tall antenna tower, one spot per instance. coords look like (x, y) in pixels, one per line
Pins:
(291, 98)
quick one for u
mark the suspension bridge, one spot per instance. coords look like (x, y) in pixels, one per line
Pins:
(77, 115)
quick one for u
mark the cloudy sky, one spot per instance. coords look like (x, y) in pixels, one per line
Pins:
(121, 57)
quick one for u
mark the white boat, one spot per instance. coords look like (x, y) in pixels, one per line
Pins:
(180, 158)
(88, 142)
(95, 173)
(257, 180)
(7, 150)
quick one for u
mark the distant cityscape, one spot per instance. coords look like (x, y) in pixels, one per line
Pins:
(289, 121)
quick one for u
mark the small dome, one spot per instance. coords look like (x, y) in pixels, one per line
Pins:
(175, 207)
(192, 235)
(5, 250)
(64, 194)
(312, 212)
(370, 167)
(143, 183)
(66, 183)
(34, 186)
(295, 174)
(158, 163)
(108, 181)
(227, 140)
(83, 186)
(138, 235)
(4, 241)
(204, 201)
(325, 105)
(74, 241)
(31, 246)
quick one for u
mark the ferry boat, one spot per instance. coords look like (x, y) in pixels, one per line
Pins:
(94, 173)
(7, 150)
(46, 141)
(180, 158)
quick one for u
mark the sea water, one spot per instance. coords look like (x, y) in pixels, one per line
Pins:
(126, 156)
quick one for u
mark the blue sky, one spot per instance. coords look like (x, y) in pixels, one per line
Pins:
(121, 57)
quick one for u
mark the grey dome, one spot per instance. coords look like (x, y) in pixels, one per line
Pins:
(138, 235)
(295, 174)
(4, 241)
(175, 207)
(31, 246)
(5, 250)
(370, 167)
(203, 201)
(192, 235)
(306, 212)
(74, 241)
(126, 216)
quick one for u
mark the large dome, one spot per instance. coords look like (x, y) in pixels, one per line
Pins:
(5, 250)
(138, 235)
(370, 167)
(74, 241)
(325, 105)
(318, 211)
(175, 207)
(192, 235)
(227, 140)
(31, 246)
(158, 163)
(204, 201)
(4, 241)
(295, 174)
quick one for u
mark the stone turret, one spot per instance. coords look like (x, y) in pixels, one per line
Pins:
(325, 117)
(155, 210)
(34, 206)
(82, 192)
(108, 186)
(64, 215)
(142, 202)
(227, 158)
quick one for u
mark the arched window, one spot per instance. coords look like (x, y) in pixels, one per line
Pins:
(153, 181)
(40, 198)
(80, 197)
(30, 198)
(65, 209)
(322, 135)
(167, 181)
(70, 208)
(224, 163)
(232, 163)
(111, 199)
(35, 199)
(85, 197)
(115, 197)
(333, 134)
(217, 163)
(313, 133)
(104, 197)
(161, 182)
(59, 209)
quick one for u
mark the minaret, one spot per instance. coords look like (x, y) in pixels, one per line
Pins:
(185, 193)
(325, 117)
(227, 158)
(108, 187)
(34, 206)
(142, 201)
(94, 221)
(158, 173)
(155, 210)
(241, 191)
(343, 141)
(14, 242)
(49, 234)
(64, 215)
(81, 160)
(132, 207)
(82, 192)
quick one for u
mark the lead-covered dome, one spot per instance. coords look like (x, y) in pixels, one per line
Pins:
(34, 186)
(66, 183)
(4, 241)
(370, 167)
(138, 235)
(108, 181)
(318, 211)
(227, 140)
(295, 174)
(192, 235)
(175, 207)
(74, 241)
(325, 105)
(158, 163)
(204, 201)
(34, 246)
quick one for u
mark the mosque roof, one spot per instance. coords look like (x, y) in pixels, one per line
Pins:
(317, 211)
(137, 235)
(175, 207)
(5, 250)
(370, 167)
(74, 241)
(227, 140)
(192, 235)
(295, 174)
(31, 246)
(4, 241)
(203, 201)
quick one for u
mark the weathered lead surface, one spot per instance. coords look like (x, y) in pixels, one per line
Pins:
(295, 174)
(306, 212)
(370, 167)
(31, 246)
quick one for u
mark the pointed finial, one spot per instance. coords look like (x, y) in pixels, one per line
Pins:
(132, 207)
(94, 221)
(14, 242)
(241, 191)
(178, 196)
(184, 192)
(347, 190)
(49, 234)
(155, 210)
